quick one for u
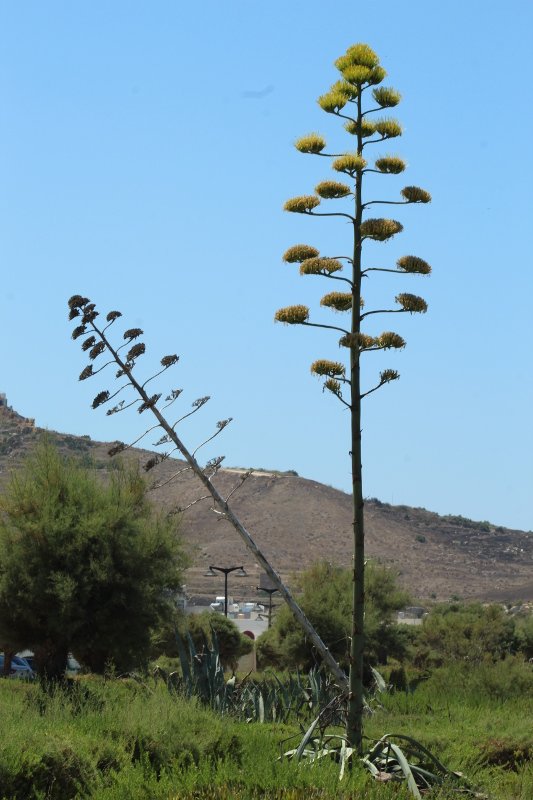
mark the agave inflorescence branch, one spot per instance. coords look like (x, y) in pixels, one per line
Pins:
(81, 307)
(360, 72)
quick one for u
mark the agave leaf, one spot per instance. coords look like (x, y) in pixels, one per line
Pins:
(381, 684)
(429, 778)
(192, 648)
(284, 691)
(370, 766)
(314, 696)
(418, 748)
(287, 754)
(343, 759)
(184, 661)
(406, 769)
(324, 752)
(307, 738)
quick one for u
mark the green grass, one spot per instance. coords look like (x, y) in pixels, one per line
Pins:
(120, 740)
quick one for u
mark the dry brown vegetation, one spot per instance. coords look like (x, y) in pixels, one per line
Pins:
(298, 521)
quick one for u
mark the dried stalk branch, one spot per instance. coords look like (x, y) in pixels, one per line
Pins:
(81, 306)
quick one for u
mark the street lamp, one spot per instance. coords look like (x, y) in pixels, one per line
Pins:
(226, 571)
(270, 592)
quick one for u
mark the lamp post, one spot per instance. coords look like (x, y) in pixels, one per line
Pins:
(270, 592)
(226, 571)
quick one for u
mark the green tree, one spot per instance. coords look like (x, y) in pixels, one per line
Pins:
(465, 632)
(361, 73)
(84, 566)
(232, 644)
(325, 595)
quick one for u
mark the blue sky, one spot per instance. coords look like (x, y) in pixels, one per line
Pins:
(145, 155)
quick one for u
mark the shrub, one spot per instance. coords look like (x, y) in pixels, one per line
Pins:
(464, 632)
(232, 644)
(325, 596)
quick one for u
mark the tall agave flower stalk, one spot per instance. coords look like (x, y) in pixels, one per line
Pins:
(357, 99)
(97, 341)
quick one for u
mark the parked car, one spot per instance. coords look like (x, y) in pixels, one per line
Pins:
(27, 656)
(19, 668)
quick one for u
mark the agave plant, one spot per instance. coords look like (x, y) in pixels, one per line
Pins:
(398, 757)
(394, 757)
(268, 700)
(202, 672)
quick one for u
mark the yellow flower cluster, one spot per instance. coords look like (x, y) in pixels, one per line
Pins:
(413, 264)
(388, 375)
(312, 143)
(356, 73)
(332, 101)
(412, 303)
(332, 190)
(358, 66)
(358, 54)
(292, 315)
(391, 165)
(358, 341)
(388, 128)
(320, 266)
(333, 386)
(299, 252)
(303, 204)
(380, 229)
(328, 368)
(389, 340)
(350, 163)
(339, 301)
(414, 194)
(345, 88)
(367, 127)
(386, 98)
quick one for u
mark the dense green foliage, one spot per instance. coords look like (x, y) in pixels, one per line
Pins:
(454, 632)
(231, 643)
(325, 595)
(123, 740)
(469, 632)
(524, 634)
(84, 566)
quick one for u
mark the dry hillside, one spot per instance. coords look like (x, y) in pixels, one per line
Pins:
(298, 521)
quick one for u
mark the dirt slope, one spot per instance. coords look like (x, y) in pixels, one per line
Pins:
(298, 521)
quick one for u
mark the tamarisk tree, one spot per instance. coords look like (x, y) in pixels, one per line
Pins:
(99, 343)
(357, 99)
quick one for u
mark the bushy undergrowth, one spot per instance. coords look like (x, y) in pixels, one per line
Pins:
(509, 679)
(127, 740)
(64, 742)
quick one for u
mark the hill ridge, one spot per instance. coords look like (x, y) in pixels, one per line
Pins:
(299, 521)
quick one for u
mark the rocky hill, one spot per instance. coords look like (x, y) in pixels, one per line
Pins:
(298, 521)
